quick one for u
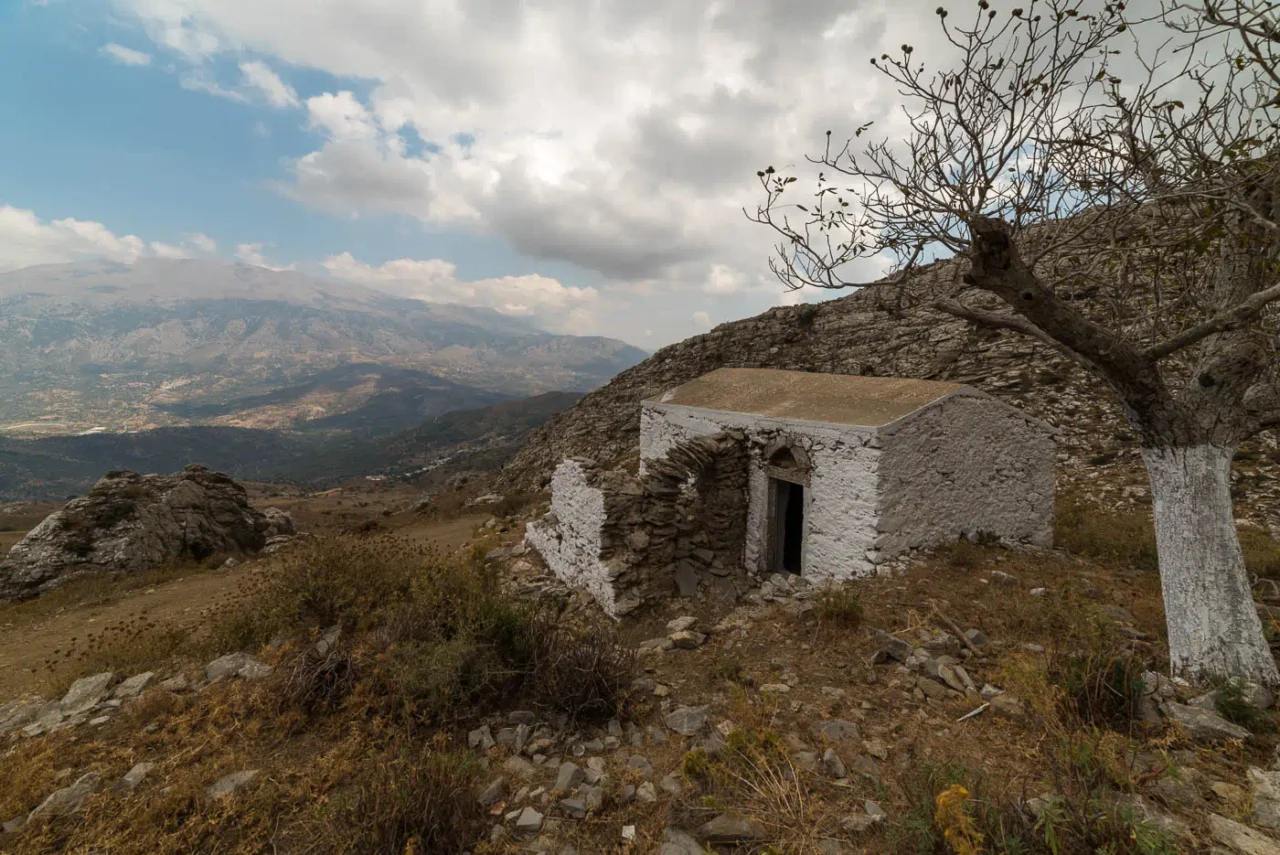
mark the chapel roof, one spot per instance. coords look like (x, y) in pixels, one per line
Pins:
(849, 399)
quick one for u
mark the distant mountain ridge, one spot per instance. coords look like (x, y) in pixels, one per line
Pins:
(460, 440)
(119, 346)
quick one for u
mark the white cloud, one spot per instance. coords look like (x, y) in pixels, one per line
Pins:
(702, 320)
(126, 56)
(251, 253)
(620, 137)
(203, 243)
(548, 302)
(617, 136)
(258, 75)
(26, 240)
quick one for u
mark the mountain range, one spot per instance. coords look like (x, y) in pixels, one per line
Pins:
(160, 342)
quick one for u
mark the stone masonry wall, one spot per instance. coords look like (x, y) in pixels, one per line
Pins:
(630, 539)
(964, 465)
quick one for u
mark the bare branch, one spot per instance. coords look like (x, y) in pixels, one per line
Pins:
(1232, 319)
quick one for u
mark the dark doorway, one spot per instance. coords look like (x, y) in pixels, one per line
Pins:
(788, 503)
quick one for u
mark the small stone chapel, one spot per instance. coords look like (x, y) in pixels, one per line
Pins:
(747, 472)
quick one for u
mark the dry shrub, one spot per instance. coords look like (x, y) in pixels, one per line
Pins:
(136, 645)
(316, 682)
(1261, 552)
(413, 798)
(586, 674)
(335, 579)
(754, 776)
(838, 607)
(1119, 537)
(428, 638)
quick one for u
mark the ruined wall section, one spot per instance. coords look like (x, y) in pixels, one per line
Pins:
(966, 464)
(630, 539)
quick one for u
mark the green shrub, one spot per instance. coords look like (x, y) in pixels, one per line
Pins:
(1230, 703)
(1102, 687)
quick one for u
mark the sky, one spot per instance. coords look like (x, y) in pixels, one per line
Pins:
(582, 163)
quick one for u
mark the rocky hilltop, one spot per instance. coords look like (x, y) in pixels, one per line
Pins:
(863, 333)
(129, 523)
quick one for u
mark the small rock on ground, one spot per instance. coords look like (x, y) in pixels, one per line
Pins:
(228, 784)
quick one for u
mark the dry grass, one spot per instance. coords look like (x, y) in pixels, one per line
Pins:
(96, 590)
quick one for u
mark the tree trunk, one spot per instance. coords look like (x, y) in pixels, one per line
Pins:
(1214, 630)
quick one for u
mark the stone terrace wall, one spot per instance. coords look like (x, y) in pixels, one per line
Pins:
(629, 540)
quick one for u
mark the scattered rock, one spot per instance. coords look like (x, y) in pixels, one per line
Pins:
(677, 842)
(833, 764)
(1266, 798)
(836, 730)
(240, 665)
(130, 780)
(1241, 838)
(1202, 724)
(228, 784)
(133, 686)
(728, 828)
(86, 693)
(529, 821)
(999, 577)
(687, 721)
(857, 823)
(67, 800)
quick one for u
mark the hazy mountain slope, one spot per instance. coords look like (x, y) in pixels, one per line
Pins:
(483, 438)
(366, 398)
(103, 344)
(57, 466)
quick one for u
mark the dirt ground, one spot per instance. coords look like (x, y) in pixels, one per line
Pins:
(30, 633)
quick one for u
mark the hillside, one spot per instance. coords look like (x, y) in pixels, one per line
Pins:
(460, 440)
(364, 398)
(482, 438)
(863, 334)
(118, 346)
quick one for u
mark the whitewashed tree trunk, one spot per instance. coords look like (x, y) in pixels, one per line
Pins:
(1214, 630)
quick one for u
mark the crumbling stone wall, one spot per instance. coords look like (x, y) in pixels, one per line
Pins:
(677, 527)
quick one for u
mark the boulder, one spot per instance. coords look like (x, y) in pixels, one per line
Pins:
(67, 800)
(130, 523)
(1241, 838)
(1201, 724)
(228, 784)
(240, 665)
(279, 523)
(86, 693)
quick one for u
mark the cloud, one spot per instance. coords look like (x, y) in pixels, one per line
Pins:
(26, 240)
(702, 320)
(126, 56)
(619, 137)
(203, 243)
(258, 75)
(546, 301)
(251, 253)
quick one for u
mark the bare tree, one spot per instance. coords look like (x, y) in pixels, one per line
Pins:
(1051, 176)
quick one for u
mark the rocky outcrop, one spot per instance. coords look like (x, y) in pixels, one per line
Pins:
(873, 332)
(129, 523)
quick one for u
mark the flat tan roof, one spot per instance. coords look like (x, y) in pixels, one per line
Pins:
(807, 396)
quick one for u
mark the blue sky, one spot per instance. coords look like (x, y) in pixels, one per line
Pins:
(582, 164)
(129, 147)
